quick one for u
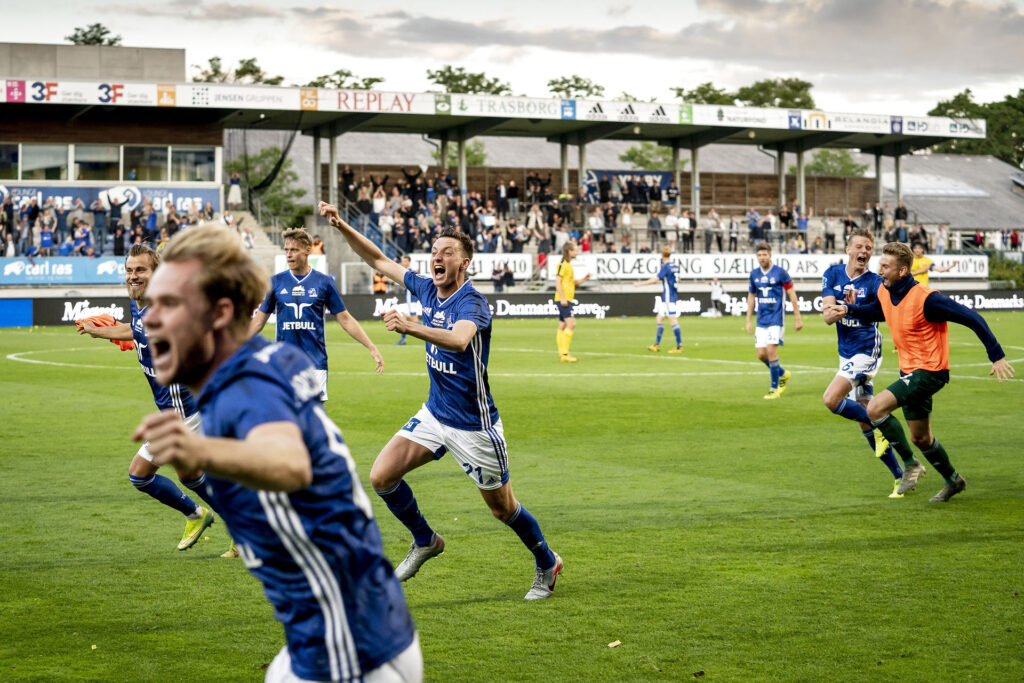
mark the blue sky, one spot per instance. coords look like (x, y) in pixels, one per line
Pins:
(884, 56)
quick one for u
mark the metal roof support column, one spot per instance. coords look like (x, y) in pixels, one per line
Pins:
(780, 170)
(899, 177)
(582, 174)
(462, 166)
(676, 174)
(564, 160)
(318, 192)
(801, 185)
(444, 149)
(878, 175)
(695, 182)
(332, 171)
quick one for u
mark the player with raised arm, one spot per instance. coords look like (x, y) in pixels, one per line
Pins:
(139, 266)
(860, 345)
(668, 305)
(918, 320)
(278, 467)
(922, 266)
(767, 284)
(459, 416)
(565, 290)
(411, 307)
(300, 296)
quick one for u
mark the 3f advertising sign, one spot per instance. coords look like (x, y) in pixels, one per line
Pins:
(43, 91)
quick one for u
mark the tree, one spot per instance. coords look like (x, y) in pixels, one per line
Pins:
(834, 163)
(575, 86)
(458, 80)
(787, 93)
(705, 93)
(650, 157)
(280, 197)
(476, 155)
(93, 34)
(1004, 126)
(626, 97)
(343, 79)
(247, 72)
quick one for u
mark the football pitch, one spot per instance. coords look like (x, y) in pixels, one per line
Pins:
(712, 534)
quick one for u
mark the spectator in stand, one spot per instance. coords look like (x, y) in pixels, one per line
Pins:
(207, 213)
(654, 228)
(497, 279)
(878, 216)
(654, 195)
(734, 233)
(83, 238)
(901, 233)
(116, 211)
(513, 199)
(33, 211)
(919, 236)
(849, 225)
(671, 229)
(688, 226)
(672, 195)
(1015, 240)
(235, 191)
(46, 224)
(347, 183)
(66, 246)
(317, 248)
(785, 218)
(99, 224)
(754, 229)
(900, 214)
(801, 225)
(501, 199)
(586, 242)
(119, 234)
(888, 217)
(941, 239)
(60, 228)
(627, 244)
(625, 222)
(829, 227)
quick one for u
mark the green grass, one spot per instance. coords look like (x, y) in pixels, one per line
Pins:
(705, 528)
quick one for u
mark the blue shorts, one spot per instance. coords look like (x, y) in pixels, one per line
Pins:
(564, 311)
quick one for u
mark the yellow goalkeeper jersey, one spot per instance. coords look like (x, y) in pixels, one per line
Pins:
(568, 278)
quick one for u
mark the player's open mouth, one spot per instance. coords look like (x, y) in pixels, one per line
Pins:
(439, 269)
(862, 259)
(158, 347)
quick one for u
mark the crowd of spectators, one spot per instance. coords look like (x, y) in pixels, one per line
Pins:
(621, 213)
(52, 229)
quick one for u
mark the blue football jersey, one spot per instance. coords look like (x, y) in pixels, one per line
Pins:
(855, 337)
(317, 550)
(769, 290)
(460, 396)
(299, 304)
(668, 275)
(410, 298)
(174, 397)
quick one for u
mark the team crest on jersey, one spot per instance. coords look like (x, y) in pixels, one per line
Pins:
(311, 292)
(298, 290)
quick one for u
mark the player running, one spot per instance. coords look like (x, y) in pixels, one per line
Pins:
(459, 416)
(917, 317)
(411, 307)
(299, 296)
(139, 266)
(279, 469)
(768, 282)
(668, 304)
(860, 345)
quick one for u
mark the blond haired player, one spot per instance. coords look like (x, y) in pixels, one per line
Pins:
(565, 290)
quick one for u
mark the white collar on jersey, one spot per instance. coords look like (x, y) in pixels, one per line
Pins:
(442, 302)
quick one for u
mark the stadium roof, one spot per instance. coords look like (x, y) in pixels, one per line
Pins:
(335, 112)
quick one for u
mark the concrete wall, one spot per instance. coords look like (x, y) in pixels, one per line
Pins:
(30, 60)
